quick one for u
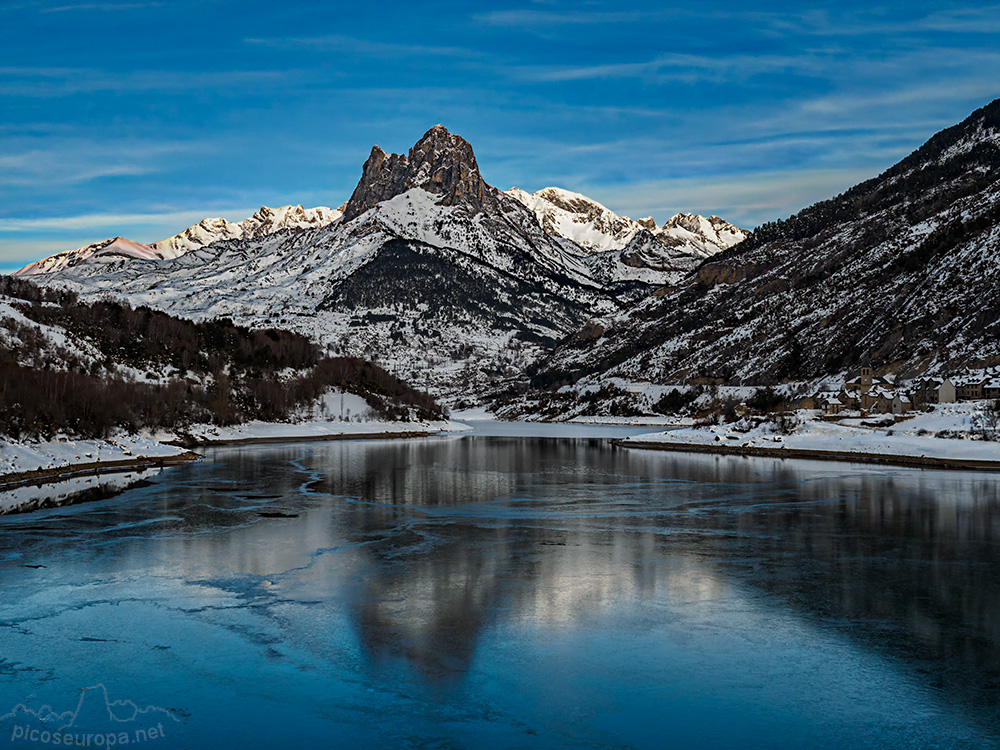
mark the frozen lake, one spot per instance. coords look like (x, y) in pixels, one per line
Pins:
(495, 591)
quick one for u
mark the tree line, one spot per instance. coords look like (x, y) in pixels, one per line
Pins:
(219, 372)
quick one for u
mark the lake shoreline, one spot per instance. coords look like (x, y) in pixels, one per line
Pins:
(54, 474)
(194, 442)
(59, 473)
(919, 462)
(45, 462)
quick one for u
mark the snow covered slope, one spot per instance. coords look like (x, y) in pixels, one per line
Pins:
(116, 247)
(579, 218)
(624, 249)
(596, 228)
(902, 271)
(432, 272)
(264, 222)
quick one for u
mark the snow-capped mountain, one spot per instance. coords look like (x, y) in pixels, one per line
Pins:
(596, 228)
(205, 232)
(902, 271)
(703, 236)
(264, 222)
(624, 249)
(115, 247)
(451, 283)
(431, 271)
(581, 219)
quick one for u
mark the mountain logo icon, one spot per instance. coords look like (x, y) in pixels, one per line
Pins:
(97, 720)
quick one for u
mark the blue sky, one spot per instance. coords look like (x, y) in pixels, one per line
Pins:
(140, 118)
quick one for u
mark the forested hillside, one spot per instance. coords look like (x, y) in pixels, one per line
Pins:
(87, 369)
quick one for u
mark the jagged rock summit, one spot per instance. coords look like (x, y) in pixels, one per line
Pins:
(440, 163)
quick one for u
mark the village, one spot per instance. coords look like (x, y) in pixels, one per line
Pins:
(875, 394)
(945, 422)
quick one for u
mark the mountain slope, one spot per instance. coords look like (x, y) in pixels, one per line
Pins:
(115, 247)
(900, 270)
(92, 369)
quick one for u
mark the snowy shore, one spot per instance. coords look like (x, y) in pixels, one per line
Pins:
(943, 438)
(274, 432)
(48, 460)
(22, 461)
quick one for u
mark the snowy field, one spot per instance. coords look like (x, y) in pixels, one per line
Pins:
(250, 431)
(482, 414)
(649, 422)
(569, 430)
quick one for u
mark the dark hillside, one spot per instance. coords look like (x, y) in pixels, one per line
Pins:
(902, 271)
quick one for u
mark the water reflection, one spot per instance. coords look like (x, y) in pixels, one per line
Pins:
(427, 548)
(27, 498)
(462, 532)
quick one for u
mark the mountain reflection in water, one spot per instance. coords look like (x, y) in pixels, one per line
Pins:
(549, 530)
(428, 547)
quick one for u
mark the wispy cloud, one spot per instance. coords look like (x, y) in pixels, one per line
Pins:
(890, 25)
(108, 7)
(73, 161)
(744, 199)
(534, 19)
(984, 20)
(675, 67)
(111, 221)
(900, 106)
(26, 240)
(339, 43)
(54, 82)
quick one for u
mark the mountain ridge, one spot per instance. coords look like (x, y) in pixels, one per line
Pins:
(464, 288)
(899, 271)
(263, 222)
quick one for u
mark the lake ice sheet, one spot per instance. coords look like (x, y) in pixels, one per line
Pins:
(508, 592)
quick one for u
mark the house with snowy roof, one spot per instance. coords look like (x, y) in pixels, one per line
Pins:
(850, 399)
(934, 391)
(877, 399)
(991, 389)
(969, 387)
(829, 402)
(901, 404)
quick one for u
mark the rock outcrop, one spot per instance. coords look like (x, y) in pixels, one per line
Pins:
(441, 163)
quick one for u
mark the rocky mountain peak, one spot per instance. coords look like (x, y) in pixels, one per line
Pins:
(441, 163)
(569, 201)
(690, 222)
